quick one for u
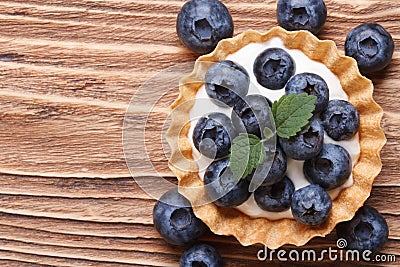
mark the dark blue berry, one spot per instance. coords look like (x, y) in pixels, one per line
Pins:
(252, 114)
(226, 82)
(276, 170)
(340, 120)
(311, 205)
(213, 134)
(368, 230)
(201, 255)
(307, 143)
(273, 68)
(174, 219)
(296, 15)
(371, 46)
(330, 168)
(276, 197)
(222, 187)
(201, 24)
(311, 84)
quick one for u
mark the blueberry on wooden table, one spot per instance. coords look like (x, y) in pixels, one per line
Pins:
(174, 219)
(367, 230)
(201, 255)
(201, 24)
(371, 46)
(296, 15)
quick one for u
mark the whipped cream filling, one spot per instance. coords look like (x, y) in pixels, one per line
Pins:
(245, 57)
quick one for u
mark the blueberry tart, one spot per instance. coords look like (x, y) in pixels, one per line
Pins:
(302, 183)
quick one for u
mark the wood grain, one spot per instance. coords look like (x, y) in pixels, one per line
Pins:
(68, 71)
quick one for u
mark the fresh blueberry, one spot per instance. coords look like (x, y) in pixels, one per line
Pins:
(201, 24)
(226, 82)
(311, 84)
(311, 205)
(213, 134)
(340, 120)
(371, 46)
(307, 143)
(252, 114)
(222, 187)
(201, 255)
(276, 197)
(330, 168)
(276, 170)
(368, 230)
(273, 68)
(296, 15)
(174, 219)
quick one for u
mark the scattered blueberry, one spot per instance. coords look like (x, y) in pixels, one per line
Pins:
(371, 46)
(368, 230)
(201, 24)
(213, 134)
(296, 15)
(201, 255)
(311, 84)
(273, 68)
(251, 114)
(174, 219)
(222, 186)
(311, 205)
(276, 171)
(330, 168)
(340, 120)
(226, 82)
(307, 143)
(276, 197)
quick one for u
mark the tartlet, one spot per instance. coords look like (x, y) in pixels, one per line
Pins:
(275, 233)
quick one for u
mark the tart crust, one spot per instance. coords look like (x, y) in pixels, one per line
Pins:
(275, 233)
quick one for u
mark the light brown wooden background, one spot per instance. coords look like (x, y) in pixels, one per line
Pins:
(68, 70)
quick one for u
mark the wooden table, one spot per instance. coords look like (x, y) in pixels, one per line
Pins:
(68, 71)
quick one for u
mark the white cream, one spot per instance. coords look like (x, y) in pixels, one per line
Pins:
(245, 57)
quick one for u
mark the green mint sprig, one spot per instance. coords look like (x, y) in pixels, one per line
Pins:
(291, 113)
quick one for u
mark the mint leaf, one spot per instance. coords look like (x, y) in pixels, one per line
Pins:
(247, 152)
(268, 133)
(292, 112)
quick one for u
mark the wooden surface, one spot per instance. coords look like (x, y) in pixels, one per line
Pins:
(68, 70)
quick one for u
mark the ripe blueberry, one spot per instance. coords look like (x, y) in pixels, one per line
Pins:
(296, 15)
(368, 230)
(330, 168)
(276, 197)
(174, 219)
(222, 187)
(226, 82)
(340, 120)
(311, 205)
(311, 84)
(251, 114)
(307, 143)
(371, 46)
(273, 68)
(201, 24)
(201, 255)
(213, 134)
